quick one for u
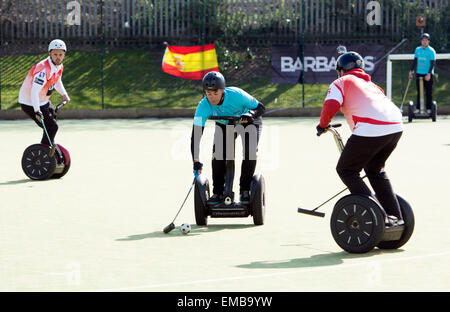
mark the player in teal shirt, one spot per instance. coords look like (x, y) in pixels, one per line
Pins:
(423, 65)
(227, 101)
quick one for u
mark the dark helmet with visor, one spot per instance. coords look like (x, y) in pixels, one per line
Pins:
(349, 61)
(213, 81)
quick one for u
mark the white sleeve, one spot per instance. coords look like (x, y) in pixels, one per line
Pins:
(60, 87)
(39, 81)
(334, 94)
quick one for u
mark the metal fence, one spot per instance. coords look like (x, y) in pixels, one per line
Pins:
(154, 20)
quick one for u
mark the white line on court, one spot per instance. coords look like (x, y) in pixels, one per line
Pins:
(234, 278)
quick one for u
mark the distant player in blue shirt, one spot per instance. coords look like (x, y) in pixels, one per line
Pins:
(227, 101)
(423, 65)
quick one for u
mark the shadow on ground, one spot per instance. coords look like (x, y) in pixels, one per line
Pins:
(318, 260)
(196, 230)
(22, 181)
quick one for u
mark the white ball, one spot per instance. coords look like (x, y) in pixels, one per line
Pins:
(185, 228)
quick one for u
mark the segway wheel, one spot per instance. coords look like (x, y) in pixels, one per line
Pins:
(433, 111)
(408, 218)
(37, 163)
(357, 223)
(410, 111)
(201, 195)
(66, 161)
(258, 199)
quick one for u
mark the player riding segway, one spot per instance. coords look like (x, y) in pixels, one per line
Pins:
(236, 113)
(45, 160)
(358, 220)
(423, 65)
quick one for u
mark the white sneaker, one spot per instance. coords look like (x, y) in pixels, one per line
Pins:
(391, 220)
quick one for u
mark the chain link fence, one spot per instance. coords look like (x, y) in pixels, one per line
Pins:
(115, 47)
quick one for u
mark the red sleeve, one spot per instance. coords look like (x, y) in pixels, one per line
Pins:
(329, 109)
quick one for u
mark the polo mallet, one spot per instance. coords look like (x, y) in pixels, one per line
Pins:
(340, 146)
(404, 96)
(53, 145)
(171, 226)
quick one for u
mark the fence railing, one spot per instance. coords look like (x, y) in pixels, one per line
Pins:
(203, 19)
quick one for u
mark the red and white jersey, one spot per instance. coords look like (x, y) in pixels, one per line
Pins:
(41, 78)
(368, 111)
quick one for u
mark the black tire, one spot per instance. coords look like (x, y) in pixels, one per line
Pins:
(357, 223)
(200, 208)
(408, 217)
(37, 163)
(258, 202)
(66, 167)
(410, 112)
(434, 111)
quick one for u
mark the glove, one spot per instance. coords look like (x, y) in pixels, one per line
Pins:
(246, 118)
(39, 115)
(197, 166)
(320, 130)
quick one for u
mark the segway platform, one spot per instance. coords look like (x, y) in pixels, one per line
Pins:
(422, 114)
(233, 210)
(228, 208)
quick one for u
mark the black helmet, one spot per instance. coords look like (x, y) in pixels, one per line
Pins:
(425, 35)
(348, 61)
(213, 81)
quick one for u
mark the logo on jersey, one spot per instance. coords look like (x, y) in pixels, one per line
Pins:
(38, 81)
(42, 74)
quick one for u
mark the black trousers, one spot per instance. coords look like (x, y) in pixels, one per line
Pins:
(223, 151)
(370, 154)
(428, 89)
(49, 121)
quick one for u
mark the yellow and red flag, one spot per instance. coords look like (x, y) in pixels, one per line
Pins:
(190, 62)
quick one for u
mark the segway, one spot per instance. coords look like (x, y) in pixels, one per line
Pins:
(228, 208)
(422, 114)
(358, 221)
(41, 162)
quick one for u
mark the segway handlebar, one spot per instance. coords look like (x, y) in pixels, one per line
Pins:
(231, 118)
(60, 105)
(336, 135)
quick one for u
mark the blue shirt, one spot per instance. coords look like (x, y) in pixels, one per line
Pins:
(235, 103)
(424, 56)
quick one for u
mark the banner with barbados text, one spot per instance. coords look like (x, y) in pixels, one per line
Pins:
(190, 62)
(320, 61)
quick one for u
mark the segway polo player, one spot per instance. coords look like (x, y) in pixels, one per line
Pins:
(41, 161)
(376, 125)
(236, 113)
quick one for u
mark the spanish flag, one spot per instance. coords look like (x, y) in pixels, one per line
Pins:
(190, 62)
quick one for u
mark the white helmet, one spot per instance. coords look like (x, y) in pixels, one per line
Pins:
(57, 44)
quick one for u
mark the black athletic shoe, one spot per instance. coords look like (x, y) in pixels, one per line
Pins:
(215, 199)
(245, 197)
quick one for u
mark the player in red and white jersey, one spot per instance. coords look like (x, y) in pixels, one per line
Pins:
(42, 79)
(376, 124)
